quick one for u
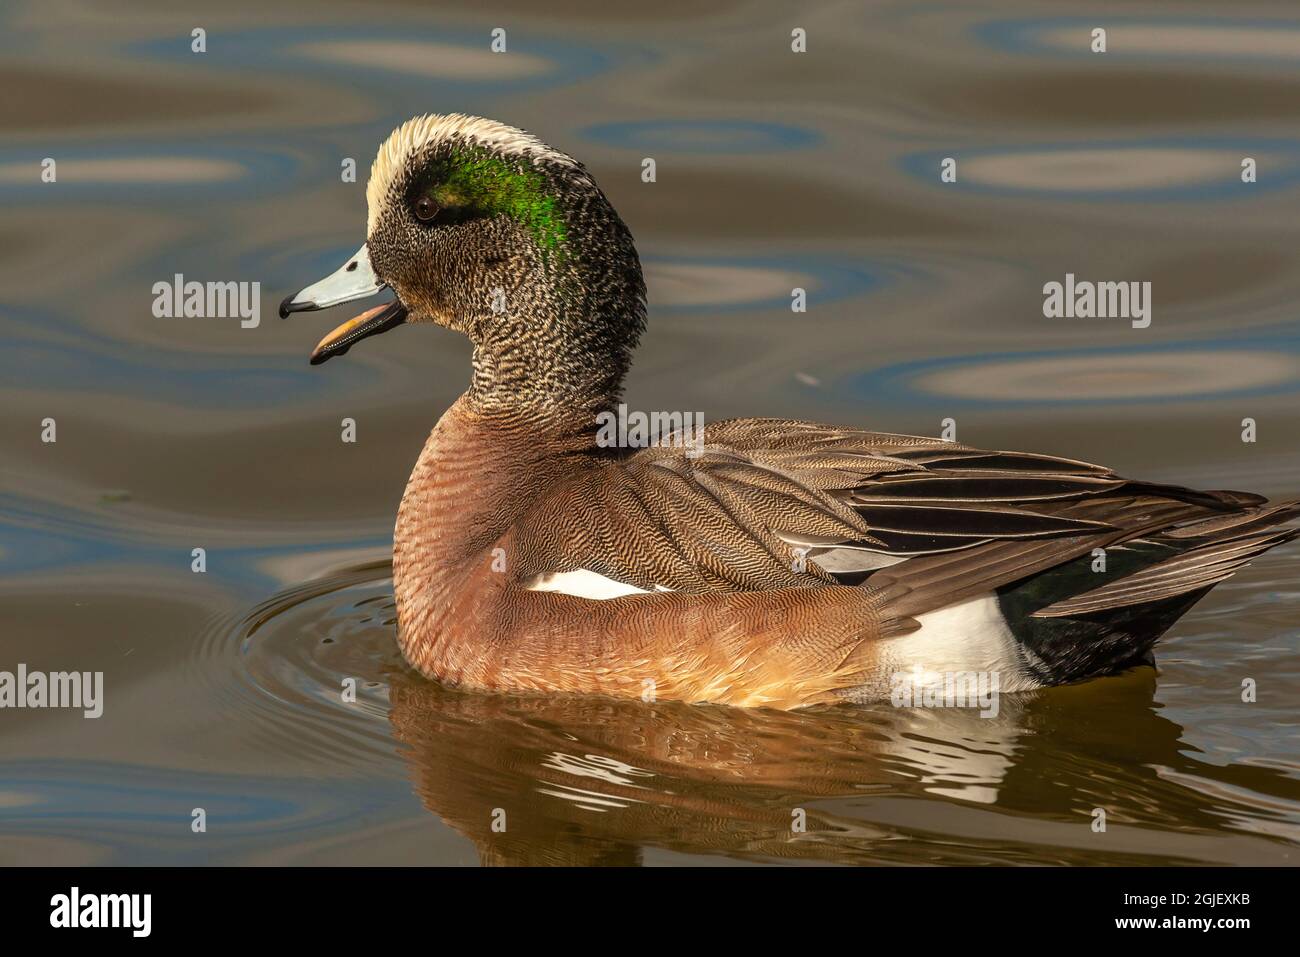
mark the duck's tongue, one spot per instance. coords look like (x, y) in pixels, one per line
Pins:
(369, 323)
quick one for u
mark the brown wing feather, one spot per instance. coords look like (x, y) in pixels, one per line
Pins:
(732, 517)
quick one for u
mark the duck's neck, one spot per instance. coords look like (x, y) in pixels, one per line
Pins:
(563, 336)
(573, 367)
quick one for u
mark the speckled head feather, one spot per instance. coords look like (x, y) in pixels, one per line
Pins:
(484, 229)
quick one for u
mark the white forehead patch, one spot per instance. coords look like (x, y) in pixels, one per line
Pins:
(422, 131)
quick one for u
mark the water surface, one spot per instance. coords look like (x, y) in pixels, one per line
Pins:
(775, 170)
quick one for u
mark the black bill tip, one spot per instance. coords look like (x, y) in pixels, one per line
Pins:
(318, 357)
(288, 306)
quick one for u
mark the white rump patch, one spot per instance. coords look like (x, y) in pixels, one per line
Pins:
(969, 637)
(422, 131)
(586, 584)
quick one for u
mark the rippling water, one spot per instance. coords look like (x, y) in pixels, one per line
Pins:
(226, 691)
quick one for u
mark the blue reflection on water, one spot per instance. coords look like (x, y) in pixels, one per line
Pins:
(703, 136)
(114, 805)
(925, 167)
(282, 49)
(826, 279)
(1028, 36)
(37, 534)
(897, 385)
(257, 172)
(75, 359)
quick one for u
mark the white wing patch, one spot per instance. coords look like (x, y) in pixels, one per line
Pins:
(839, 557)
(586, 584)
(840, 561)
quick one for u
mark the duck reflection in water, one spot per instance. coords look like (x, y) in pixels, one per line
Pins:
(575, 780)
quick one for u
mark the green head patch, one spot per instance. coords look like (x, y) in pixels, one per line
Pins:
(473, 183)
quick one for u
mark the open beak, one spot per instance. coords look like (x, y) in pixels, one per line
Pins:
(355, 279)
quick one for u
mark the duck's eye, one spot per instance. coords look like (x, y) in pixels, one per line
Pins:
(425, 209)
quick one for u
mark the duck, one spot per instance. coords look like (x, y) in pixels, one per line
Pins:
(776, 563)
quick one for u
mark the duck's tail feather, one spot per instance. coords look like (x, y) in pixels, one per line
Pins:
(1183, 558)
(1198, 567)
(1072, 629)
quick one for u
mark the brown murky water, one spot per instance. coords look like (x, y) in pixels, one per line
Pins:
(775, 170)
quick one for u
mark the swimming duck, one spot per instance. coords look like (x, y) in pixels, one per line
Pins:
(779, 563)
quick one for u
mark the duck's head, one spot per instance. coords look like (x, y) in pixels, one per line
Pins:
(483, 228)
